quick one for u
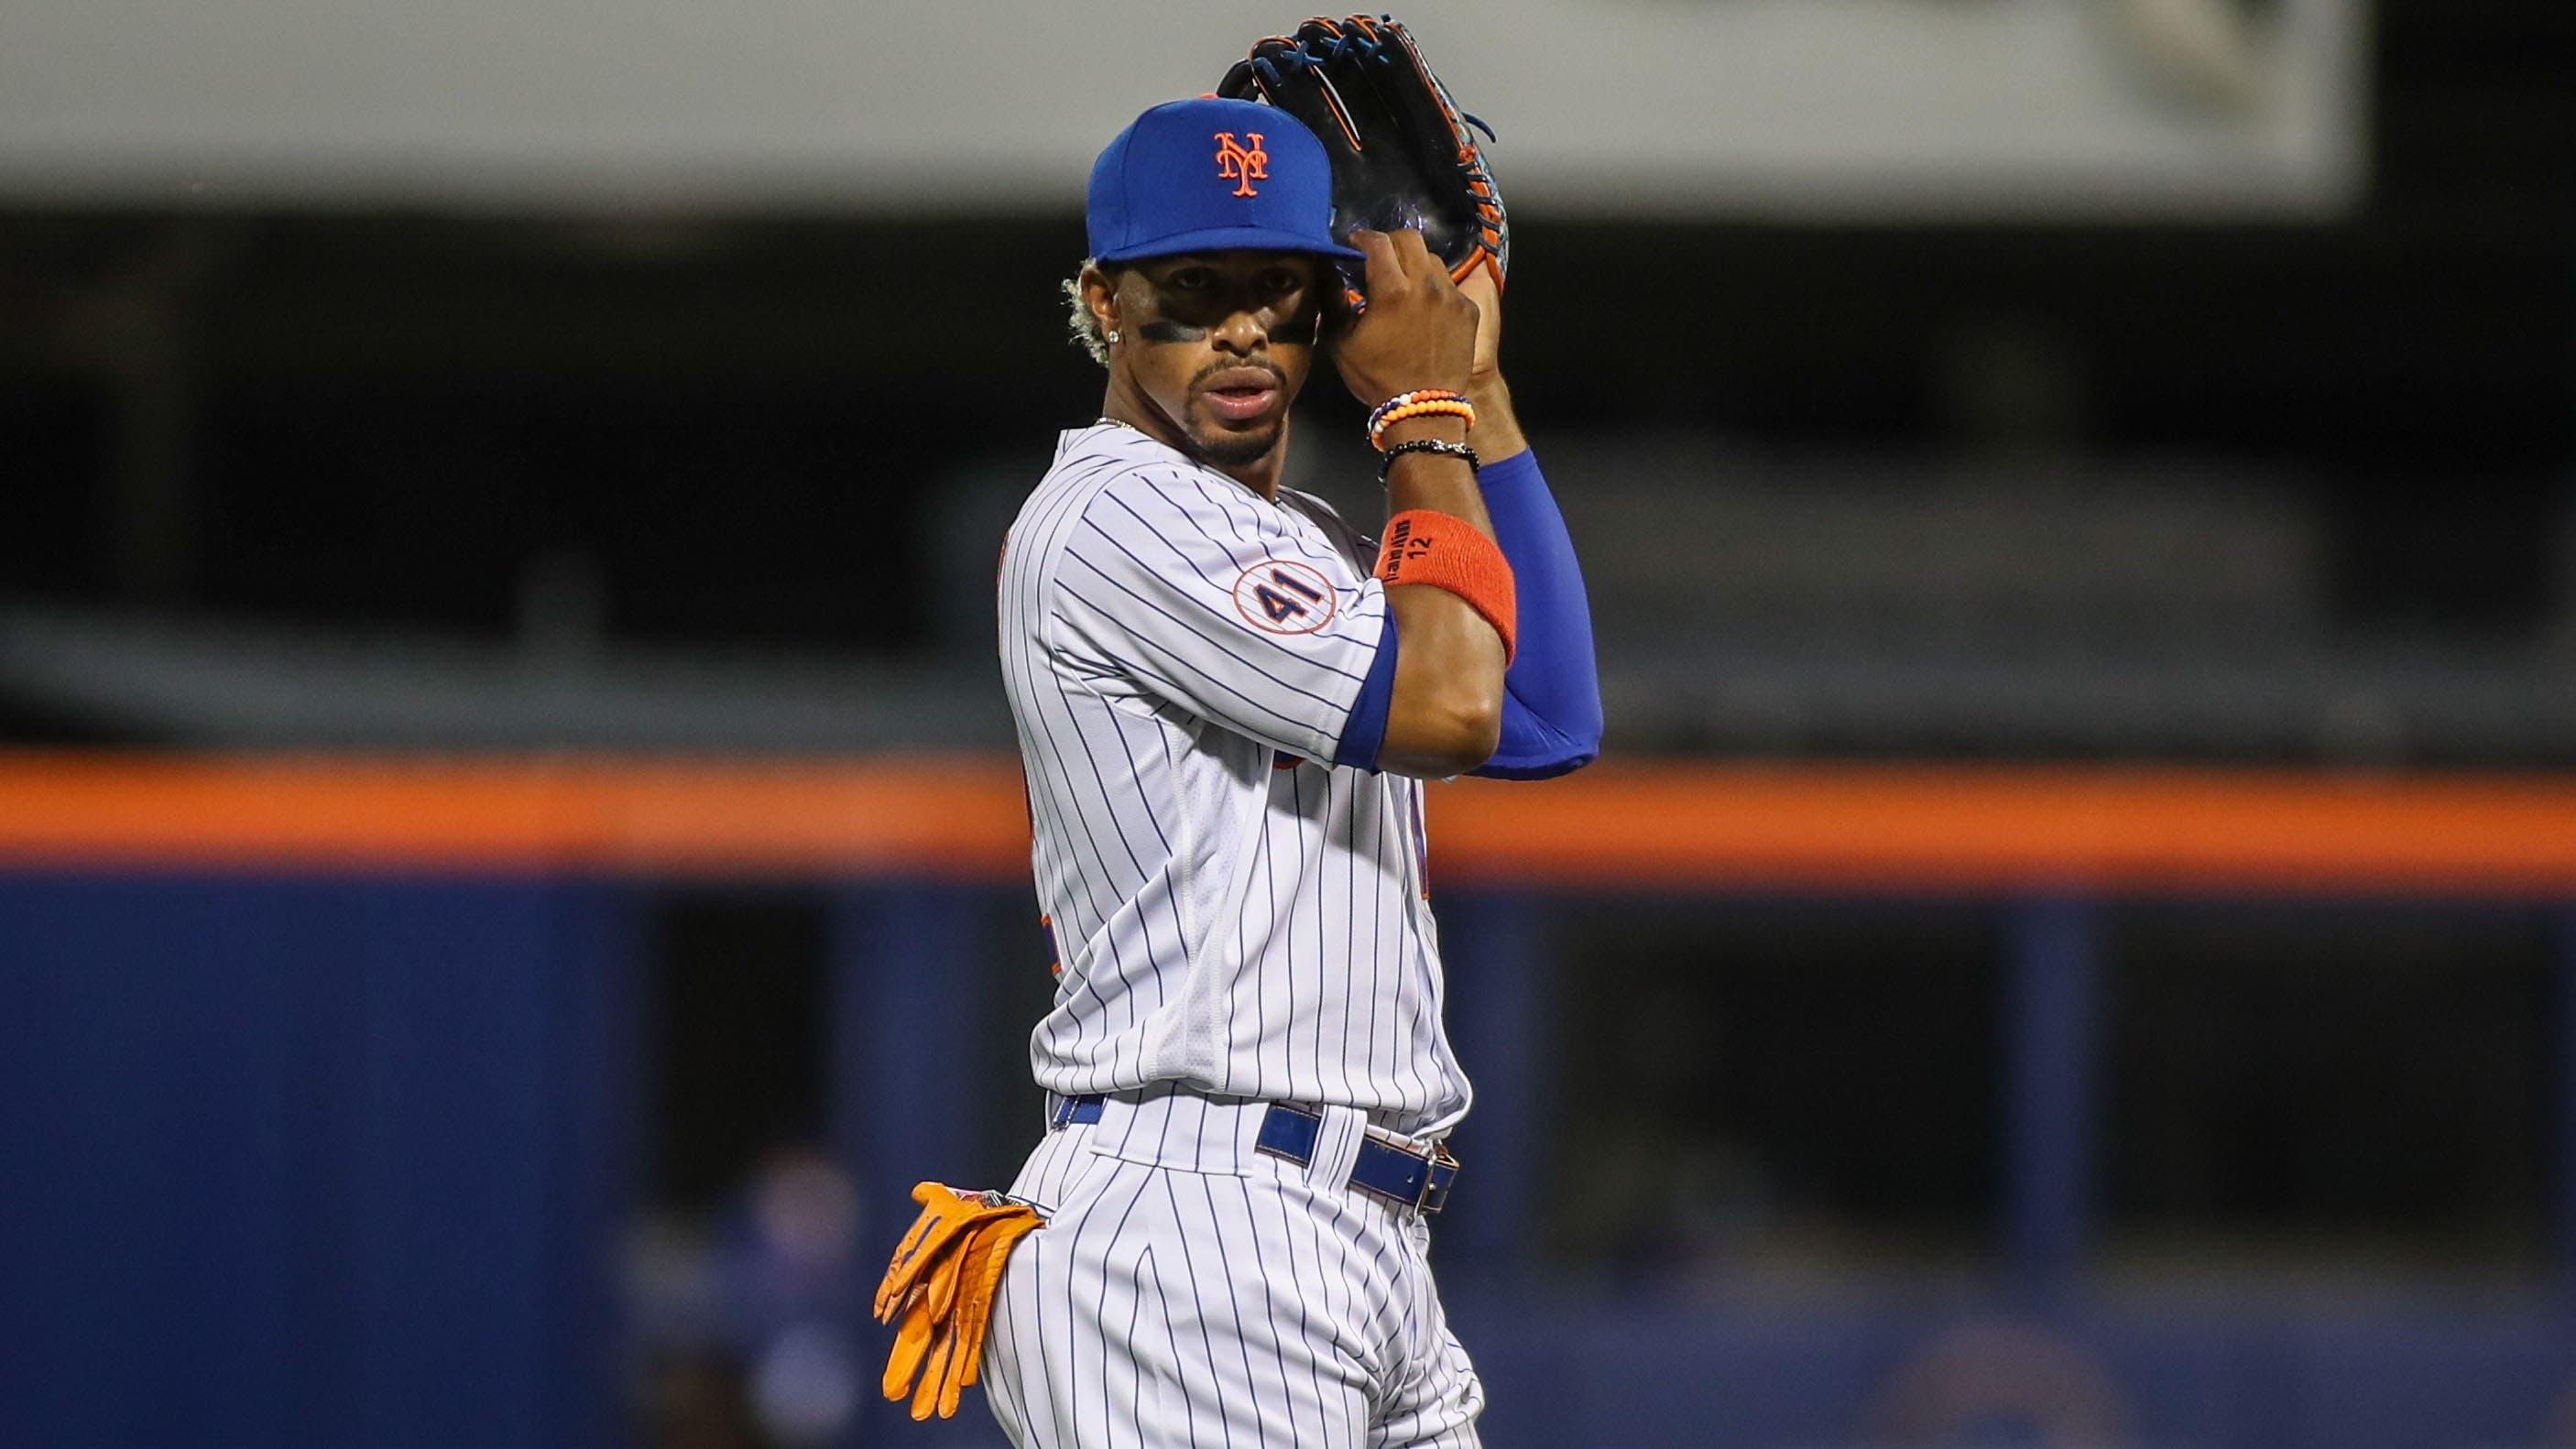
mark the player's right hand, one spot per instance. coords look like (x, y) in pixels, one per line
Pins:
(1419, 330)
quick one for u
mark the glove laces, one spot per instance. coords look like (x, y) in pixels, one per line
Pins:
(1318, 52)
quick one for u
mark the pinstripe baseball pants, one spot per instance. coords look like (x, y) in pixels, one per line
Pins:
(1188, 1291)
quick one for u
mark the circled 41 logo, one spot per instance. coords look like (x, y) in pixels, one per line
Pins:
(1283, 596)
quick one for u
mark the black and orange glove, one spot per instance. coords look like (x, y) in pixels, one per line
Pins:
(941, 1284)
(1403, 154)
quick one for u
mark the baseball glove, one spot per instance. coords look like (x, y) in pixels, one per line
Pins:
(1403, 153)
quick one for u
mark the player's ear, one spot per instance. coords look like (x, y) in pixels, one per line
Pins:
(1100, 294)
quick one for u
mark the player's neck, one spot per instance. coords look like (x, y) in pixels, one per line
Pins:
(1261, 475)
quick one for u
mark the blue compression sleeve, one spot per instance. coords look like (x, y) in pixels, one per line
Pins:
(1552, 693)
(1364, 734)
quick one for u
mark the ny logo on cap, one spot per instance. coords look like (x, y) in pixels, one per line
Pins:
(1243, 167)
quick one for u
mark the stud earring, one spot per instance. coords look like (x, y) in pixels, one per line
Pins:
(1113, 336)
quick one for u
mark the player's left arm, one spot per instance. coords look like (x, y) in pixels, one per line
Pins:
(1552, 691)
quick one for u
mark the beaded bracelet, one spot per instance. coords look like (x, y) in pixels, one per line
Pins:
(1429, 407)
(1412, 405)
(1428, 445)
(1377, 415)
(1421, 401)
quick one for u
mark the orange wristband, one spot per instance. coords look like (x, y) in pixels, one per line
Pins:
(1424, 546)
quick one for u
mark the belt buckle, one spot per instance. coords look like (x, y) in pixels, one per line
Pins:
(1431, 1166)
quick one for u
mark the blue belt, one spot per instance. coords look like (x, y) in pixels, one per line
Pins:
(1418, 1180)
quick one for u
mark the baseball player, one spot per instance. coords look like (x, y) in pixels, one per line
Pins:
(1227, 701)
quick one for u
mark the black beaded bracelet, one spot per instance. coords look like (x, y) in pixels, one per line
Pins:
(1426, 445)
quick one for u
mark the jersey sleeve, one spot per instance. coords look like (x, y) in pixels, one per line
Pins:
(1223, 605)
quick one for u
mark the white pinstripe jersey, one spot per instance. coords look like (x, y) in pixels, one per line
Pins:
(1225, 918)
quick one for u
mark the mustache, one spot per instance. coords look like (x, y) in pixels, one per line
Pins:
(1236, 365)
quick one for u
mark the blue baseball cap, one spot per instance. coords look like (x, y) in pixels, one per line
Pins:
(1212, 175)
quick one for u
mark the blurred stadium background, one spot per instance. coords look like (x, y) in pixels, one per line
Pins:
(510, 865)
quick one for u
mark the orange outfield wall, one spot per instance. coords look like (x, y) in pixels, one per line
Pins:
(1620, 824)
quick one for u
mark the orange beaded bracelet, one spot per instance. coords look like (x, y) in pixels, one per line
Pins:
(1428, 407)
(1414, 404)
(1447, 552)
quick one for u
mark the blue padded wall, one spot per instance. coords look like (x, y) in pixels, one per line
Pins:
(310, 1161)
